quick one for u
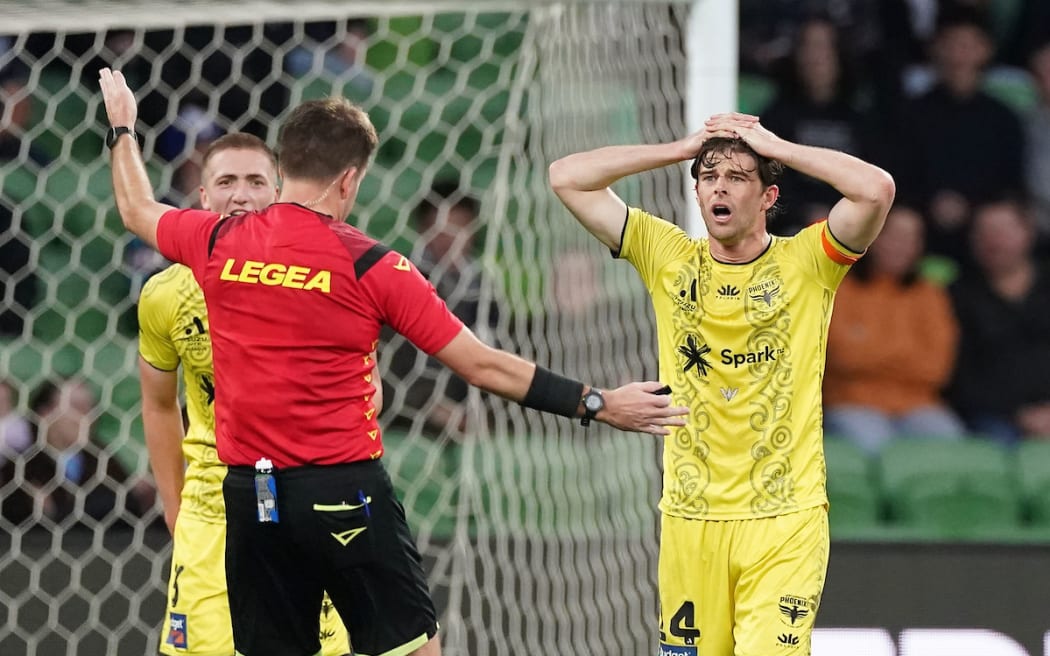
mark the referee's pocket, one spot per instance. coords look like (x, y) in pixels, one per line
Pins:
(345, 531)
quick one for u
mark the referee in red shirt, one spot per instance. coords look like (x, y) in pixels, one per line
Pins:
(296, 298)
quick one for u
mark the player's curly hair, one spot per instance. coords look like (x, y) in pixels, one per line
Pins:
(322, 138)
(715, 148)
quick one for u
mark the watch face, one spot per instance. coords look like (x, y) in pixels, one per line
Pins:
(593, 402)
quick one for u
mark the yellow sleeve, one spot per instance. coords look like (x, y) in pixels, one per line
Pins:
(649, 241)
(155, 322)
(822, 254)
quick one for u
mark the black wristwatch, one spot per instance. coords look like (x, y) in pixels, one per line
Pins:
(116, 132)
(593, 402)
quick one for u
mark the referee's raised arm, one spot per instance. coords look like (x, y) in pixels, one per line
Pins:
(139, 210)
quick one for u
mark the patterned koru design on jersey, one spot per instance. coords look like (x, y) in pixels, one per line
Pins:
(742, 345)
(765, 318)
(766, 311)
(689, 456)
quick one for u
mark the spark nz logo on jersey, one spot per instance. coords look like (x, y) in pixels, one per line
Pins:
(675, 650)
(766, 354)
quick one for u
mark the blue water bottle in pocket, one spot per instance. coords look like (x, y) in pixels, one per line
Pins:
(265, 491)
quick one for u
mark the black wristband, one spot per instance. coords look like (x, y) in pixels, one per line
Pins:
(552, 393)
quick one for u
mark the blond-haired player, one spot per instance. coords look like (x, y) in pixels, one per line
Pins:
(742, 323)
(238, 175)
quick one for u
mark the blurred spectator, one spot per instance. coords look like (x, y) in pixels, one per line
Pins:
(339, 54)
(1000, 386)
(1001, 79)
(1020, 26)
(574, 285)
(955, 145)
(891, 346)
(1037, 130)
(814, 105)
(884, 37)
(420, 387)
(15, 432)
(17, 282)
(769, 28)
(66, 473)
(194, 126)
(16, 116)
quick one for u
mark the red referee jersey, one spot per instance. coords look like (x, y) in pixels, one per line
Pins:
(295, 303)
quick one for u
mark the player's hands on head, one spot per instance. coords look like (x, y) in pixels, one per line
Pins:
(641, 407)
(121, 107)
(691, 145)
(746, 127)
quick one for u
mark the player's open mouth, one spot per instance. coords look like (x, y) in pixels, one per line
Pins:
(721, 212)
(238, 211)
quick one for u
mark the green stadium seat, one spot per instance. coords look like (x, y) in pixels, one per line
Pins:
(939, 269)
(66, 360)
(49, 325)
(402, 45)
(754, 93)
(555, 486)
(507, 30)
(91, 325)
(72, 126)
(852, 491)
(23, 361)
(421, 469)
(1014, 88)
(953, 489)
(1033, 477)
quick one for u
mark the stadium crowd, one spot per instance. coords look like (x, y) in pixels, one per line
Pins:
(942, 332)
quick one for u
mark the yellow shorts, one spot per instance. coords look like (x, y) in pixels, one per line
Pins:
(198, 615)
(743, 587)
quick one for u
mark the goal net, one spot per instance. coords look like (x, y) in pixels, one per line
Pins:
(539, 536)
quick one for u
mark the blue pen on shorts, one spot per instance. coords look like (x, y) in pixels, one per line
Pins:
(364, 502)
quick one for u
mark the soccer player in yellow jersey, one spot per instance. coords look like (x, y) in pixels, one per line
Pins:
(239, 174)
(742, 319)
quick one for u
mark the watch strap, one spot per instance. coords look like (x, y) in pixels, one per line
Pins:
(116, 132)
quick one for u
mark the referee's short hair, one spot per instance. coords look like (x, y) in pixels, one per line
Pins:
(322, 138)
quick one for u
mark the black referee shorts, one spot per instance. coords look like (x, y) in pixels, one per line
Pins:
(340, 529)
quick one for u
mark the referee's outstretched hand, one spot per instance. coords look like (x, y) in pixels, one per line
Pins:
(641, 407)
(121, 106)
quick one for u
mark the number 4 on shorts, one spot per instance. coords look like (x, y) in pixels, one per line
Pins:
(683, 624)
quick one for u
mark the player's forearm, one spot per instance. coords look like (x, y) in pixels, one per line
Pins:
(510, 376)
(133, 192)
(502, 373)
(858, 181)
(597, 169)
(163, 428)
(519, 380)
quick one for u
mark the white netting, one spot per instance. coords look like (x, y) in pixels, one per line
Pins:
(540, 537)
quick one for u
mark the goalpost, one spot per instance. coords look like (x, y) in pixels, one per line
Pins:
(539, 536)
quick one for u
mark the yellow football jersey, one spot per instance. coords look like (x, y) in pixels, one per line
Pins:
(173, 330)
(743, 346)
